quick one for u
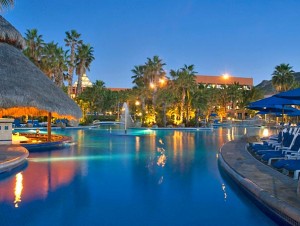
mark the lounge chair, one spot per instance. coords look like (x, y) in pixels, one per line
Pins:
(271, 143)
(287, 142)
(283, 152)
(293, 166)
(16, 123)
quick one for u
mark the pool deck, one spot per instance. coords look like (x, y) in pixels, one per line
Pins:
(11, 156)
(274, 191)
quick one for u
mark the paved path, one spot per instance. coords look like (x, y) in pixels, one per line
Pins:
(266, 184)
(12, 156)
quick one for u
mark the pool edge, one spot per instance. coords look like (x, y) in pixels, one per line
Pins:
(279, 210)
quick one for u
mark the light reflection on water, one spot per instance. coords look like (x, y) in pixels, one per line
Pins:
(18, 189)
(171, 177)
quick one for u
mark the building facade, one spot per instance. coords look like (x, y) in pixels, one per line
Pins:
(85, 83)
(223, 80)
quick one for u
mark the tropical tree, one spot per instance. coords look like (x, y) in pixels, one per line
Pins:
(283, 78)
(248, 96)
(211, 95)
(54, 63)
(73, 41)
(234, 93)
(165, 98)
(138, 76)
(94, 97)
(200, 103)
(184, 83)
(140, 81)
(148, 78)
(4, 4)
(154, 75)
(84, 58)
(34, 46)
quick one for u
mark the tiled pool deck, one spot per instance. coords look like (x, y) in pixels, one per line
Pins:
(274, 191)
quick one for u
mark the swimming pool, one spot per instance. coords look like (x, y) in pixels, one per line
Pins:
(142, 178)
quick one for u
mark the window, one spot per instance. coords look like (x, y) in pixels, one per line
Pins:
(6, 128)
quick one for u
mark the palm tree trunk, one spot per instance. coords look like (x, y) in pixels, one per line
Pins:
(70, 81)
(182, 106)
(164, 116)
(79, 82)
(197, 117)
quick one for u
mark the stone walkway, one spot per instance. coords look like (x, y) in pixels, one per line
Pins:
(12, 156)
(271, 188)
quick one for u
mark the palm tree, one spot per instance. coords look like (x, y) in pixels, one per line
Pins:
(6, 4)
(54, 63)
(248, 96)
(165, 98)
(184, 81)
(73, 41)
(148, 78)
(200, 102)
(283, 77)
(140, 87)
(154, 73)
(84, 59)
(138, 76)
(34, 46)
(234, 93)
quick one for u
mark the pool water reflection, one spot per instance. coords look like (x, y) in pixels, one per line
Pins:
(142, 178)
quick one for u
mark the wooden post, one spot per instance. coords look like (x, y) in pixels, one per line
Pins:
(49, 126)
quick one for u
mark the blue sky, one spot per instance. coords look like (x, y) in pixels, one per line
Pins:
(245, 38)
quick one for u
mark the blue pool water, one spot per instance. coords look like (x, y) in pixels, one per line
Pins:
(141, 178)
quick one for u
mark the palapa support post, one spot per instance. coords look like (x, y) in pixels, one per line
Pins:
(49, 126)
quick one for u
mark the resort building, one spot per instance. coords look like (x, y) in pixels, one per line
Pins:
(221, 80)
(85, 83)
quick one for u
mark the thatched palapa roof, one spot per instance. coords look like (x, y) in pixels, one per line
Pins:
(24, 89)
(10, 35)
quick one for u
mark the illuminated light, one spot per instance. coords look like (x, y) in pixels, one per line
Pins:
(229, 135)
(265, 133)
(152, 86)
(137, 144)
(161, 161)
(160, 141)
(78, 158)
(18, 189)
(137, 103)
(217, 155)
(224, 191)
(162, 81)
(16, 138)
(226, 76)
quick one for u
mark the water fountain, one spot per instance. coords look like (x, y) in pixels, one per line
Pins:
(126, 117)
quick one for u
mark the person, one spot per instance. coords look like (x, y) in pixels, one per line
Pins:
(37, 132)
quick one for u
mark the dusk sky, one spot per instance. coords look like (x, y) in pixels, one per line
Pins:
(245, 38)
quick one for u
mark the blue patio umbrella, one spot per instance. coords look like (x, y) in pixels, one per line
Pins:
(291, 94)
(272, 104)
(290, 111)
